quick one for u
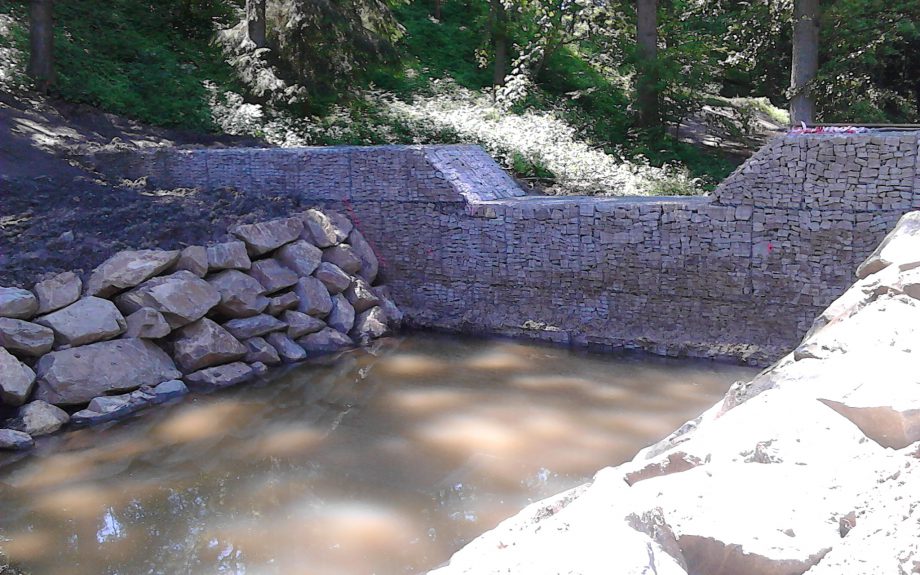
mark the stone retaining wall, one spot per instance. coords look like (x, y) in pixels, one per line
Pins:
(741, 273)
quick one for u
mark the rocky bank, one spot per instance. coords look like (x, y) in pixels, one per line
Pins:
(146, 325)
(812, 467)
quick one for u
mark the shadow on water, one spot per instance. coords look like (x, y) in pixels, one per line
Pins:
(383, 461)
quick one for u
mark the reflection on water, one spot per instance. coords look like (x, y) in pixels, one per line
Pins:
(378, 462)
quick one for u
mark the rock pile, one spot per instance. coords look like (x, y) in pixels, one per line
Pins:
(812, 467)
(147, 325)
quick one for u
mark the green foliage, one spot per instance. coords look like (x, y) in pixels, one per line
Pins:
(142, 58)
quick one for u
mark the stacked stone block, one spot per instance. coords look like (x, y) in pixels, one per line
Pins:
(146, 325)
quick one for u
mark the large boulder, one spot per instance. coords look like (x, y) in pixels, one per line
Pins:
(301, 256)
(17, 303)
(193, 259)
(58, 291)
(369, 262)
(370, 324)
(342, 316)
(264, 237)
(16, 379)
(272, 275)
(344, 256)
(278, 304)
(40, 418)
(313, 297)
(181, 297)
(333, 277)
(261, 351)
(220, 376)
(12, 440)
(89, 320)
(325, 229)
(300, 324)
(901, 247)
(325, 341)
(247, 327)
(205, 344)
(241, 295)
(24, 337)
(127, 269)
(147, 323)
(76, 375)
(228, 256)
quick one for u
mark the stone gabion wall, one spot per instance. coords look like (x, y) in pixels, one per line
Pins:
(740, 274)
(146, 325)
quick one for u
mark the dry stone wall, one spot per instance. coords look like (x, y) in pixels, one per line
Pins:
(146, 325)
(741, 273)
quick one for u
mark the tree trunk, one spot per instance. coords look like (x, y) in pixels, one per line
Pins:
(804, 61)
(255, 21)
(500, 42)
(647, 63)
(41, 43)
(437, 10)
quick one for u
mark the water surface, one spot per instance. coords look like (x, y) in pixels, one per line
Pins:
(383, 461)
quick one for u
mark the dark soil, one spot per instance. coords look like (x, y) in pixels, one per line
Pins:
(56, 214)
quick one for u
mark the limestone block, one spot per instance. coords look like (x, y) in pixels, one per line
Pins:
(278, 304)
(325, 229)
(333, 277)
(40, 418)
(73, 376)
(301, 256)
(17, 303)
(300, 324)
(325, 341)
(205, 344)
(228, 256)
(360, 295)
(287, 349)
(900, 247)
(181, 297)
(249, 327)
(89, 320)
(147, 323)
(127, 269)
(12, 440)
(342, 316)
(193, 259)
(24, 337)
(241, 295)
(272, 275)
(369, 263)
(313, 297)
(220, 376)
(264, 237)
(57, 292)
(16, 379)
(260, 351)
(343, 256)
(370, 324)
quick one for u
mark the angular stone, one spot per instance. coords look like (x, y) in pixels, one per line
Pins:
(287, 349)
(245, 328)
(370, 324)
(280, 303)
(107, 408)
(17, 303)
(313, 297)
(342, 316)
(301, 256)
(258, 368)
(168, 390)
(261, 351)
(360, 295)
(228, 256)
(343, 256)
(193, 259)
(127, 269)
(24, 337)
(364, 251)
(205, 344)
(40, 418)
(887, 413)
(12, 440)
(335, 280)
(89, 320)
(325, 229)
(181, 297)
(325, 341)
(220, 376)
(58, 291)
(16, 379)
(77, 375)
(394, 314)
(272, 275)
(147, 323)
(240, 294)
(266, 236)
(300, 324)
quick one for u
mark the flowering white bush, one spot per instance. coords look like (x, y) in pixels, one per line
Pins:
(11, 59)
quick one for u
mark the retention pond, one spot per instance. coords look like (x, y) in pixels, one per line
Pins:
(381, 461)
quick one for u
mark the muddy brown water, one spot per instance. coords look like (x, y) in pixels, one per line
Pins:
(384, 461)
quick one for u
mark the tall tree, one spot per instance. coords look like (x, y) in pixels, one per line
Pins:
(647, 63)
(41, 43)
(805, 26)
(255, 21)
(499, 17)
